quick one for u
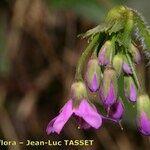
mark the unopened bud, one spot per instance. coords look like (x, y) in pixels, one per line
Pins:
(108, 90)
(135, 54)
(117, 63)
(126, 67)
(143, 114)
(78, 91)
(104, 53)
(93, 74)
(130, 89)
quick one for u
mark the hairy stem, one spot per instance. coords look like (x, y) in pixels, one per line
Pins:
(133, 70)
(143, 29)
(82, 60)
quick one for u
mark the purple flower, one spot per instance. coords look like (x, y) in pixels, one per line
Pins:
(144, 124)
(93, 74)
(130, 89)
(116, 111)
(86, 112)
(126, 68)
(110, 97)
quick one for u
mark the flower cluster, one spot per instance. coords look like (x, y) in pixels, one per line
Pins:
(113, 56)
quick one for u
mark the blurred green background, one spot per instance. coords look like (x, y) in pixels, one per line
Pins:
(39, 50)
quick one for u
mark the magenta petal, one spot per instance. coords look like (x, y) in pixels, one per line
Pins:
(144, 124)
(116, 111)
(133, 93)
(89, 114)
(58, 122)
(126, 68)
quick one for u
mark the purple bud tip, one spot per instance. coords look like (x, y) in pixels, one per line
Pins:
(101, 56)
(95, 84)
(144, 124)
(127, 69)
(116, 111)
(110, 97)
(133, 93)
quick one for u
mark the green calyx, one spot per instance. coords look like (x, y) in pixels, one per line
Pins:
(143, 104)
(128, 81)
(117, 63)
(78, 92)
(109, 77)
(134, 53)
(93, 68)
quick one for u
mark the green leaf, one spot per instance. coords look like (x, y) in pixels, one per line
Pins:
(117, 25)
(92, 32)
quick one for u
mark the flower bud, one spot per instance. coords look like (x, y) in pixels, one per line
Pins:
(116, 111)
(130, 89)
(93, 75)
(126, 67)
(117, 63)
(78, 91)
(108, 90)
(135, 54)
(104, 53)
(143, 114)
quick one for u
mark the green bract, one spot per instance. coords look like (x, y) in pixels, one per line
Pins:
(143, 104)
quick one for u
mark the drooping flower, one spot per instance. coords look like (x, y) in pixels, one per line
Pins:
(93, 74)
(143, 114)
(104, 53)
(82, 109)
(130, 89)
(116, 111)
(108, 89)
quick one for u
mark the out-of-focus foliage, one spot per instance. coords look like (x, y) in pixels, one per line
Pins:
(94, 10)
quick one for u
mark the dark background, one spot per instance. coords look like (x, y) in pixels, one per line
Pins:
(39, 50)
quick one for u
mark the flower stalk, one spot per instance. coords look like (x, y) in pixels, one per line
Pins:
(84, 56)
